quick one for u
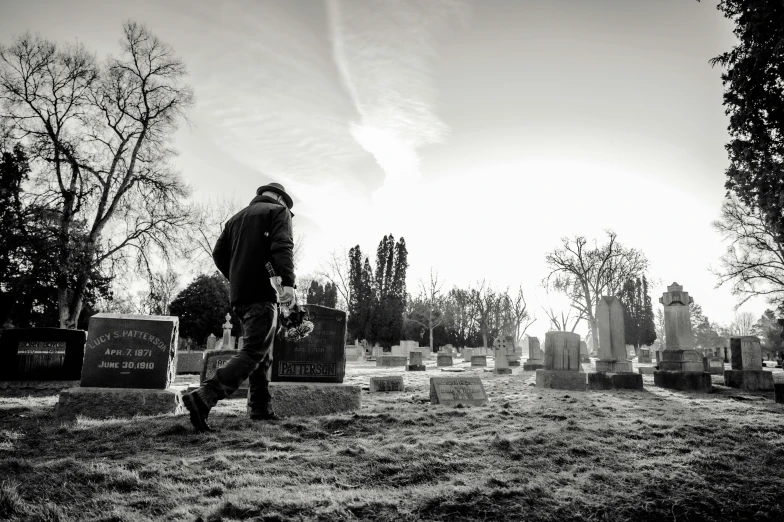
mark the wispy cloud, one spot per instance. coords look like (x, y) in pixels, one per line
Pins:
(384, 52)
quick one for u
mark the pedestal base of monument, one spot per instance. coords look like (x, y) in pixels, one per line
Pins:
(392, 360)
(683, 381)
(533, 366)
(319, 398)
(34, 388)
(585, 359)
(416, 367)
(105, 403)
(681, 361)
(610, 366)
(778, 388)
(560, 379)
(646, 370)
(614, 381)
(514, 363)
(750, 380)
(502, 371)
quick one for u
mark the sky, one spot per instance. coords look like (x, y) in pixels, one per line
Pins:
(480, 131)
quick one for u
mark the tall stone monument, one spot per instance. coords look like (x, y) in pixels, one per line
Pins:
(613, 369)
(535, 355)
(681, 366)
(562, 368)
(746, 360)
(227, 339)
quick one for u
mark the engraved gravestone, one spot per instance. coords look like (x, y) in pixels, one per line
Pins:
(386, 384)
(319, 357)
(130, 351)
(215, 359)
(41, 354)
(453, 391)
(746, 353)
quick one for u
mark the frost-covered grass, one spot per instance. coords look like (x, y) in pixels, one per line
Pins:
(530, 455)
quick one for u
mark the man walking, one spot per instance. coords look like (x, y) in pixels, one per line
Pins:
(258, 234)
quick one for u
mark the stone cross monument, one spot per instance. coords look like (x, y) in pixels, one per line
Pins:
(681, 366)
(227, 333)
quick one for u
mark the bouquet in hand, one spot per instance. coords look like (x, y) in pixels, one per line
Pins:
(293, 318)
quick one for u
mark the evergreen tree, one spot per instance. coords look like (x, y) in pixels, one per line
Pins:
(202, 307)
(326, 295)
(639, 326)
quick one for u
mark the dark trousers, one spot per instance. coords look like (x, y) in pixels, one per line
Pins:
(253, 362)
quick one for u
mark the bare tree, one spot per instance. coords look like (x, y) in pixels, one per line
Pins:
(336, 270)
(585, 273)
(430, 304)
(660, 326)
(100, 138)
(744, 324)
(519, 310)
(484, 302)
(754, 261)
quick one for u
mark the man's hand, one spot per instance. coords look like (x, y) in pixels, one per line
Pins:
(288, 296)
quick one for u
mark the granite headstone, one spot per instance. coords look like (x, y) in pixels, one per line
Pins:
(41, 354)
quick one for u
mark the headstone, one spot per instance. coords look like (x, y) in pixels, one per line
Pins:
(386, 384)
(467, 354)
(454, 391)
(399, 351)
(41, 354)
(319, 357)
(644, 356)
(189, 362)
(535, 354)
(377, 351)
(562, 362)
(478, 360)
(747, 372)
(415, 363)
(715, 365)
(211, 340)
(584, 357)
(746, 353)
(218, 359)
(612, 337)
(726, 358)
(240, 342)
(444, 360)
(680, 367)
(227, 344)
(391, 360)
(501, 348)
(130, 351)
(562, 351)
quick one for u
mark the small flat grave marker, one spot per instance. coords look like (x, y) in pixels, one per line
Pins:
(386, 384)
(451, 391)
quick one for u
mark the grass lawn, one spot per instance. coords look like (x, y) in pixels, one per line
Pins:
(532, 454)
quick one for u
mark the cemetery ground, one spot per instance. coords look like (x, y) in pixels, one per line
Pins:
(531, 454)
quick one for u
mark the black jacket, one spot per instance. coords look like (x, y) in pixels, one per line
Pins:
(258, 234)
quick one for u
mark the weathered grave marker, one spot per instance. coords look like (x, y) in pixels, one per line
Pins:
(478, 361)
(415, 363)
(443, 360)
(211, 341)
(562, 362)
(613, 369)
(386, 384)
(680, 367)
(747, 372)
(453, 391)
(391, 360)
(535, 354)
(501, 348)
